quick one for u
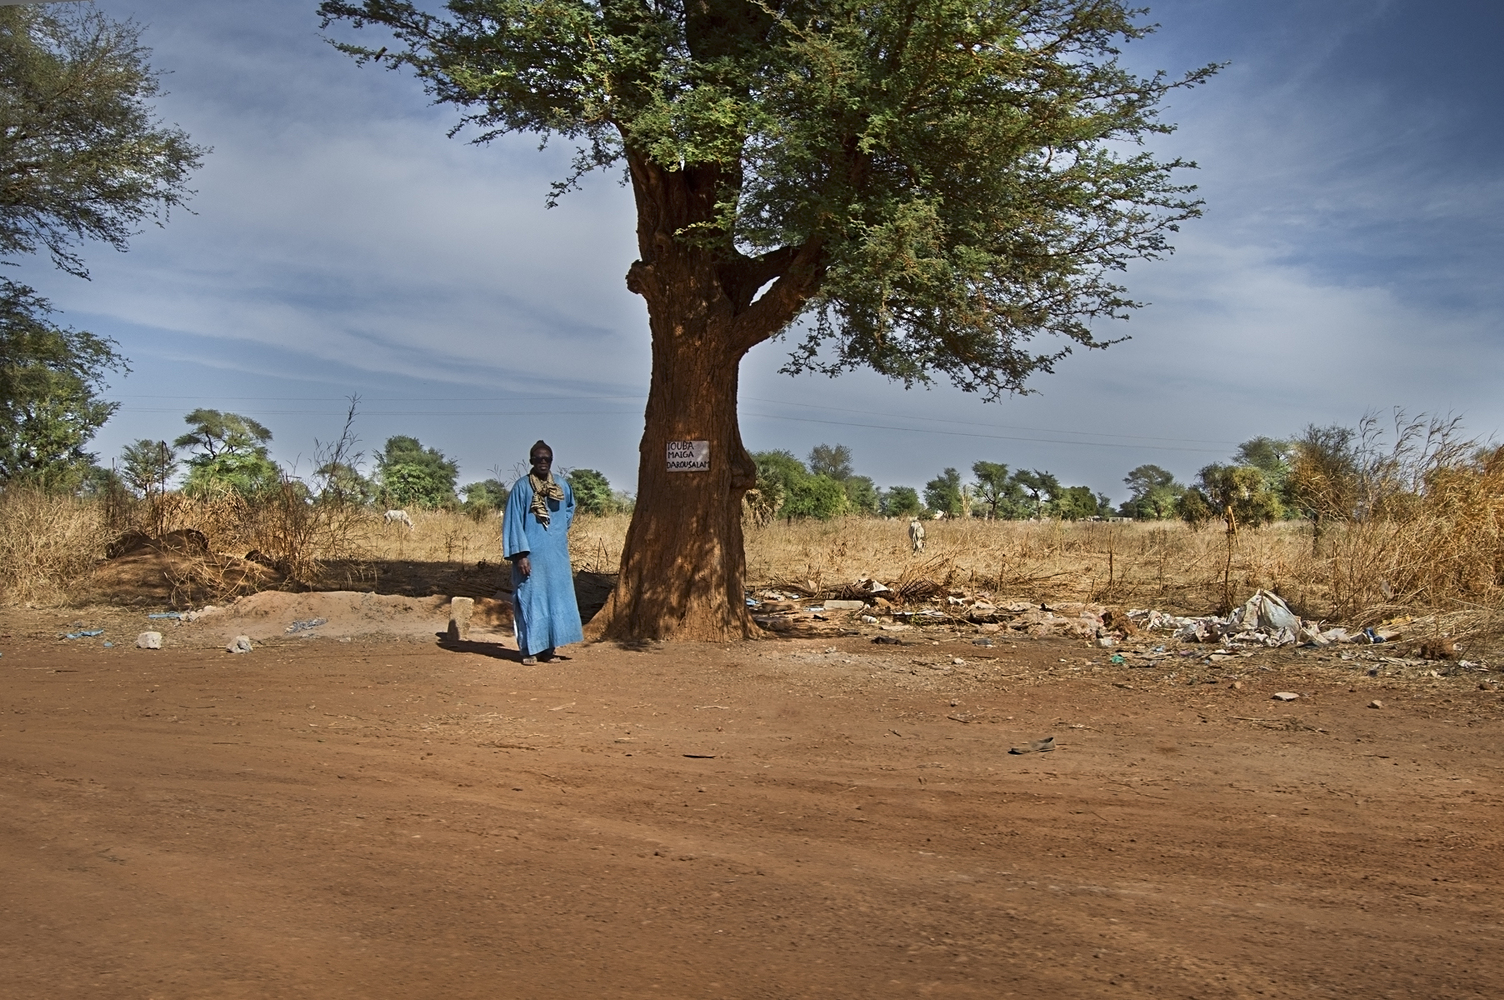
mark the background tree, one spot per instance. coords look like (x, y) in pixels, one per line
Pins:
(50, 380)
(1154, 492)
(148, 466)
(1325, 478)
(1238, 494)
(1003, 497)
(861, 495)
(231, 454)
(902, 501)
(831, 460)
(1075, 503)
(488, 496)
(1039, 487)
(81, 155)
(935, 184)
(1272, 458)
(804, 494)
(411, 474)
(592, 492)
(943, 493)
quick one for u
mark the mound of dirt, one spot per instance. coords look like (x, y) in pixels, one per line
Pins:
(345, 615)
(177, 569)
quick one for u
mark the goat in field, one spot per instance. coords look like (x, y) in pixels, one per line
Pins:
(916, 534)
(392, 517)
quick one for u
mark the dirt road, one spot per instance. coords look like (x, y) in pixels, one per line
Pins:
(396, 820)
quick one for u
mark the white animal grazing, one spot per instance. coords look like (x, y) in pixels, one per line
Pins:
(398, 517)
(916, 534)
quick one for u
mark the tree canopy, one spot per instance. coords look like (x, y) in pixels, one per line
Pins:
(231, 454)
(81, 155)
(413, 474)
(936, 182)
(50, 380)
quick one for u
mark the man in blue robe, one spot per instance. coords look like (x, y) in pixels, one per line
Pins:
(535, 537)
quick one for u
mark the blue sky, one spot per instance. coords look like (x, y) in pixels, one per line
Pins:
(1349, 259)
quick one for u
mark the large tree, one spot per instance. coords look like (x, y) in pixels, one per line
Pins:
(82, 157)
(50, 380)
(930, 184)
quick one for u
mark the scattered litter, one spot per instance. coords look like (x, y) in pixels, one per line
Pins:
(1117, 658)
(166, 614)
(1104, 642)
(304, 626)
(109, 645)
(239, 644)
(1036, 746)
(868, 620)
(1285, 696)
(886, 640)
(983, 642)
(845, 605)
(84, 633)
(149, 640)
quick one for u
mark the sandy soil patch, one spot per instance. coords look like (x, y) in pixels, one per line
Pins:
(796, 818)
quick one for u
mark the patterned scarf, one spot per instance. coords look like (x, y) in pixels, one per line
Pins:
(544, 490)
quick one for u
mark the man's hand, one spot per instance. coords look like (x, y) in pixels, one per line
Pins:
(524, 566)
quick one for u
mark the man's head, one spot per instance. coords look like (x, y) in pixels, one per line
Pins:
(541, 457)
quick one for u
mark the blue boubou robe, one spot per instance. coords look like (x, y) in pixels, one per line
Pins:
(543, 605)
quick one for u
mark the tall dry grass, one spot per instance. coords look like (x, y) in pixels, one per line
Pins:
(1445, 555)
(47, 544)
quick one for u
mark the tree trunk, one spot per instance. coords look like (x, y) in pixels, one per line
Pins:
(683, 567)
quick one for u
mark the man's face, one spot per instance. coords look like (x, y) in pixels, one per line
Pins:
(542, 460)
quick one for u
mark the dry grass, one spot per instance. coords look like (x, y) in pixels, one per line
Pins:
(1445, 559)
(47, 544)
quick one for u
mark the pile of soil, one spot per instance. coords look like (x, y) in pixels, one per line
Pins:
(177, 570)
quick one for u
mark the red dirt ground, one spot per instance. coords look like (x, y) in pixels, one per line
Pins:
(781, 819)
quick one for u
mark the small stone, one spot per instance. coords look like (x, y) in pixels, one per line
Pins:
(1285, 696)
(149, 640)
(240, 644)
(868, 619)
(1236, 685)
(1376, 703)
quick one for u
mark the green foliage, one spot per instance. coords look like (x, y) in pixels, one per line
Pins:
(592, 492)
(81, 155)
(831, 460)
(214, 433)
(230, 455)
(1075, 503)
(148, 466)
(412, 475)
(817, 497)
(943, 493)
(902, 501)
(249, 473)
(342, 482)
(1001, 494)
(862, 496)
(50, 377)
(1154, 494)
(487, 496)
(1039, 488)
(1238, 494)
(803, 495)
(939, 182)
(1193, 507)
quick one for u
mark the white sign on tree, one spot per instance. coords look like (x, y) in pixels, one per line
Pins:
(689, 456)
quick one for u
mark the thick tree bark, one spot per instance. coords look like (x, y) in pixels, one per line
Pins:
(683, 567)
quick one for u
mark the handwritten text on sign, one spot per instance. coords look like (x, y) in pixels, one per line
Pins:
(689, 456)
